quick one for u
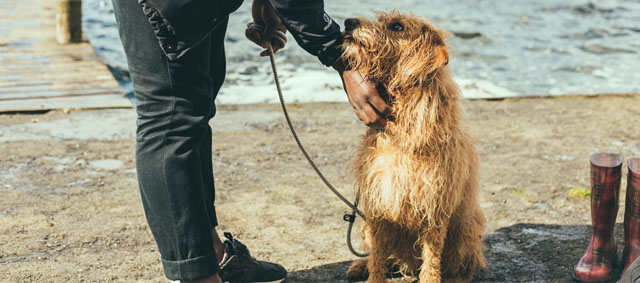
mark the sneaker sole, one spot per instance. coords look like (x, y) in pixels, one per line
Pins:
(276, 281)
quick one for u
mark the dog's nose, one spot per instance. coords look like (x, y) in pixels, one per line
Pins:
(350, 24)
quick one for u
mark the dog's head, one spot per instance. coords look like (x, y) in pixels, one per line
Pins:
(395, 49)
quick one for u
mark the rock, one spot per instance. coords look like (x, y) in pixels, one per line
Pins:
(601, 49)
(467, 35)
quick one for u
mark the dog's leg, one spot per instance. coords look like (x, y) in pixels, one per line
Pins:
(377, 265)
(358, 270)
(380, 252)
(463, 248)
(432, 246)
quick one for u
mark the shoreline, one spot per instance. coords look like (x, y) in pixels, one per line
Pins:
(519, 50)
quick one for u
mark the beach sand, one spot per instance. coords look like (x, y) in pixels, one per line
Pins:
(71, 211)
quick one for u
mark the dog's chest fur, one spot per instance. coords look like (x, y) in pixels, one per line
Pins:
(399, 186)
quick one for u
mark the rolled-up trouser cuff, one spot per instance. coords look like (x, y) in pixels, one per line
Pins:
(191, 269)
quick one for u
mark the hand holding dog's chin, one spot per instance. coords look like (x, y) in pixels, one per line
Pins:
(367, 103)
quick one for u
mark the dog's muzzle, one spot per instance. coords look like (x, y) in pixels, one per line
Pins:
(350, 24)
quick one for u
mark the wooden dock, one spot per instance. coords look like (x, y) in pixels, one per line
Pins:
(38, 74)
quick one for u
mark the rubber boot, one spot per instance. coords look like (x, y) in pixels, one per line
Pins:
(632, 214)
(596, 264)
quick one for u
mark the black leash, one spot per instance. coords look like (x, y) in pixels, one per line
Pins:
(351, 218)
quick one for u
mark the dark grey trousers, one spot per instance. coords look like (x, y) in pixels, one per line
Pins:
(175, 101)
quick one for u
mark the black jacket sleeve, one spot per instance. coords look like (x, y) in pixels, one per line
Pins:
(312, 28)
(179, 25)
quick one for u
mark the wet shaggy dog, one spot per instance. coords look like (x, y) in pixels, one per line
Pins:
(417, 177)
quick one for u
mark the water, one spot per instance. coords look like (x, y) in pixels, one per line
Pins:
(501, 48)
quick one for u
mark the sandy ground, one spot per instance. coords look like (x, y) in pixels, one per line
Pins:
(70, 208)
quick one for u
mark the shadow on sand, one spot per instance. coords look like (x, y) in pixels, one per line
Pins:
(518, 253)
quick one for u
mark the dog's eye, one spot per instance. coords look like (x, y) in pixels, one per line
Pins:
(396, 26)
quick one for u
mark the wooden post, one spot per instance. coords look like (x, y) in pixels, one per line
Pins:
(68, 21)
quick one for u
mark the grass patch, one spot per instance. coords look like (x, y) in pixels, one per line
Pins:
(580, 192)
(519, 192)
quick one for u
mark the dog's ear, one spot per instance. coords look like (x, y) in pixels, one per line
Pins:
(441, 58)
(425, 55)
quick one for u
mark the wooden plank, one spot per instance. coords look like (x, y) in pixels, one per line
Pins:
(47, 91)
(38, 74)
(24, 83)
(65, 77)
(59, 64)
(49, 80)
(31, 61)
(73, 102)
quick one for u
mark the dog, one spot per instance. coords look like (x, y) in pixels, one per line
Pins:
(418, 176)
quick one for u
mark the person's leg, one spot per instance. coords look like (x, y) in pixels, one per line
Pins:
(174, 105)
(217, 73)
(209, 193)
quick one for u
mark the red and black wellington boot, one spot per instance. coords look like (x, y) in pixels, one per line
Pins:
(596, 264)
(632, 214)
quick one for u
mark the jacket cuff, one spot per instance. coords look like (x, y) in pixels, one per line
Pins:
(332, 53)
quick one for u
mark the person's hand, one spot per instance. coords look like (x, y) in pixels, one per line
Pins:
(274, 31)
(367, 102)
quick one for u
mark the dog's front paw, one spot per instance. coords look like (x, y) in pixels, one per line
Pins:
(358, 270)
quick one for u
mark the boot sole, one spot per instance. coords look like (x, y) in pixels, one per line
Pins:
(575, 279)
(613, 267)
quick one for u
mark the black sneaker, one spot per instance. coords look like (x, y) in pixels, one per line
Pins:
(239, 266)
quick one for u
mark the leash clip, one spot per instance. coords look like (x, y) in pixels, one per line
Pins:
(349, 218)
